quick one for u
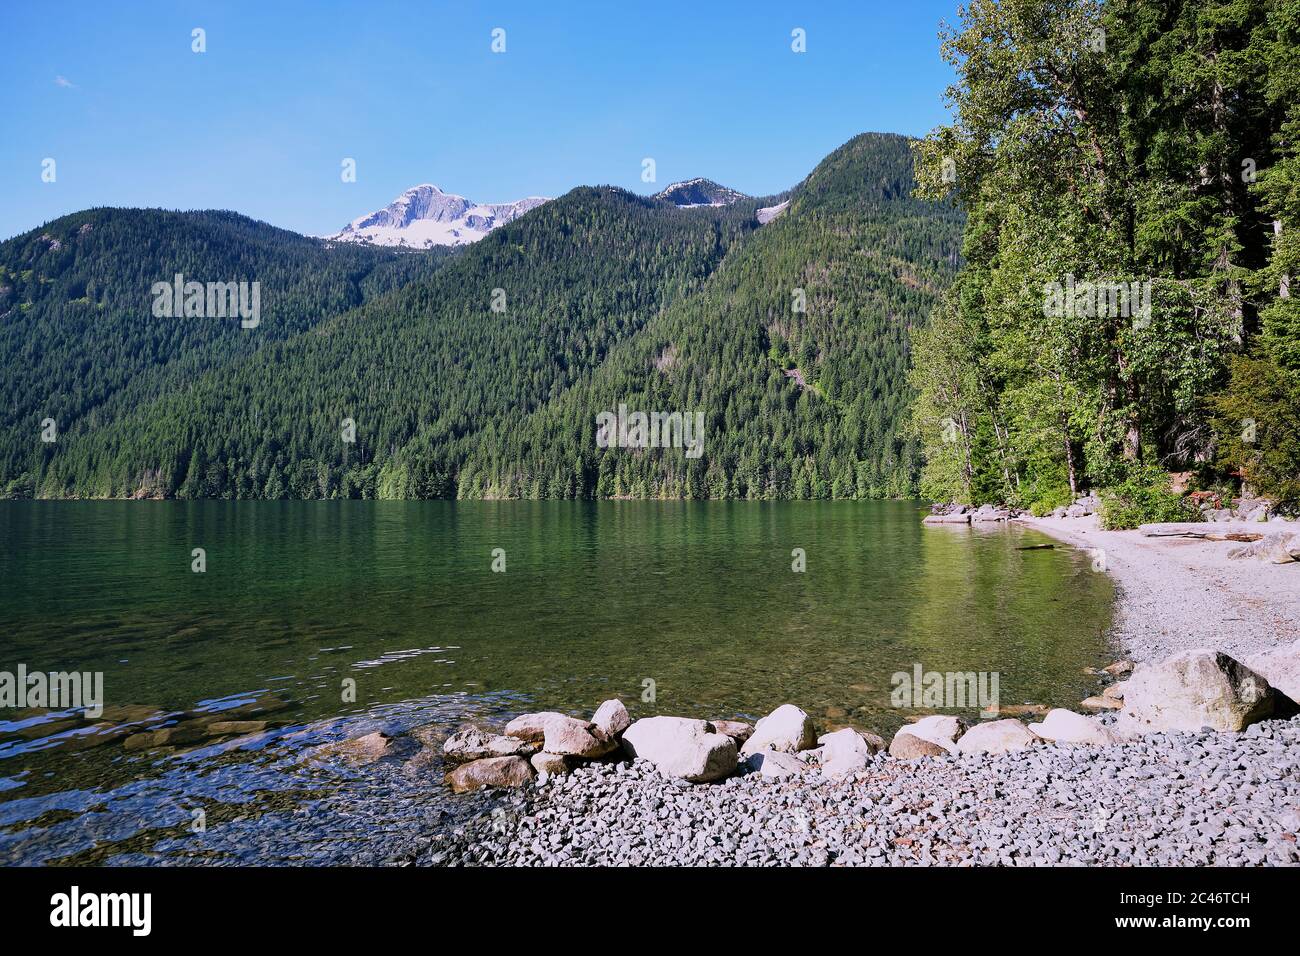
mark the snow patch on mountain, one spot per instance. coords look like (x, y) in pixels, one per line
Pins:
(768, 213)
(699, 192)
(425, 216)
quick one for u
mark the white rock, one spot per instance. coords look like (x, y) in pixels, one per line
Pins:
(1194, 689)
(611, 718)
(940, 729)
(997, 737)
(844, 752)
(1066, 727)
(773, 764)
(787, 729)
(681, 747)
(532, 727)
(569, 736)
(1280, 667)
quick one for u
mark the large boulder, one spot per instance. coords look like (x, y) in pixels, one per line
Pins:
(490, 772)
(469, 743)
(561, 734)
(1195, 689)
(611, 719)
(939, 730)
(1066, 727)
(787, 729)
(997, 737)
(680, 747)
(846, 752)
(571, 737)
(532, 727)
(1280, 667)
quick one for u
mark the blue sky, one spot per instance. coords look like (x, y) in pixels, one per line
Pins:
(261, 122)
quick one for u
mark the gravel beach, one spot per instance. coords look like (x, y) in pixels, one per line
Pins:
(1201, 798)
(1180, 593)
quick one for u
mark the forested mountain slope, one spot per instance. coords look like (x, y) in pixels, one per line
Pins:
(80, 344)
(795, 350)
(378, 374)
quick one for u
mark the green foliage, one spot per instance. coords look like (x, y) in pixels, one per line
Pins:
(1144, 497)
(1257, 423)
(609, 298)
(1106, 142)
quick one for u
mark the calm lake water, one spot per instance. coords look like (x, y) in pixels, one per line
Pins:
(596, 599)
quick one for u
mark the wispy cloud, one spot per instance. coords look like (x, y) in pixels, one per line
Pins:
(64, 82)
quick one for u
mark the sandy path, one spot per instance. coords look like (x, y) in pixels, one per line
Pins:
(1178, 593)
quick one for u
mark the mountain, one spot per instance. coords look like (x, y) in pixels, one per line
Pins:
(424, 216)
(479, 372)
(699, 192)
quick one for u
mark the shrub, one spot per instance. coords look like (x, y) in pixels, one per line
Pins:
(1142, 498)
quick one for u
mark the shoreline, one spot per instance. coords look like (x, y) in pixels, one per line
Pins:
(1175, 594)
(1171, 798)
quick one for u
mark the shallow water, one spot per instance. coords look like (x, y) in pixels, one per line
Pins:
(596, 600)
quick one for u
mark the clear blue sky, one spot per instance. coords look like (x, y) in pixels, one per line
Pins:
(261, 122)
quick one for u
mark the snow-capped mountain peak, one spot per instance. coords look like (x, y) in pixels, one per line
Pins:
(699, 192)
(425, 216)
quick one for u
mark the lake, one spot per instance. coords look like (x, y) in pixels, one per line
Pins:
(347, 615)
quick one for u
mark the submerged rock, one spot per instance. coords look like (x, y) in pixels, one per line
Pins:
(470, 743)
(358, 751)
(490, 772)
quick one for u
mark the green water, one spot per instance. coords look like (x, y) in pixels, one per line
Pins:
(595, 600)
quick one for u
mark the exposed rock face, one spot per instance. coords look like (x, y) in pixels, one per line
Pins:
(470, 743)
(845, 752)
(997, 737)
(1281, 668)
(490, 772)
(737, 730)
(680, 747)
(1066, 727)
(1195, 689)
(787, 729)
(611, 719)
